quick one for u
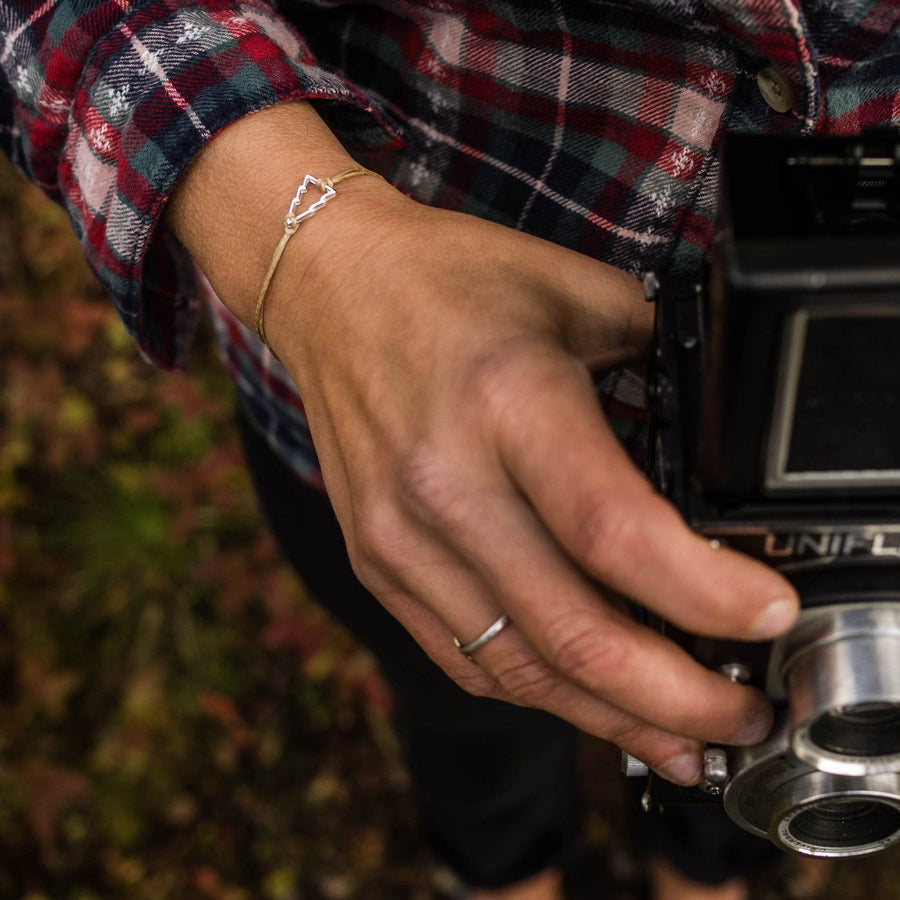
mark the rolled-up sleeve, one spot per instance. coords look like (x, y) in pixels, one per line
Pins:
(111, 101)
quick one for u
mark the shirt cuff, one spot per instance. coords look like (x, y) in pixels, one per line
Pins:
(155, 89)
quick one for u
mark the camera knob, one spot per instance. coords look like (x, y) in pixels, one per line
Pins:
(715, 765)
(736, 671)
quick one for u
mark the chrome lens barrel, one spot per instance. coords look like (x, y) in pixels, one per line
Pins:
(841, 670)
(801, 809)
(826, 815)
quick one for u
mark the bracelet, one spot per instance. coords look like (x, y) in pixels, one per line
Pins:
(291, 223)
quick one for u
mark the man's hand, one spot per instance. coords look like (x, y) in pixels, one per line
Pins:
(444, 366)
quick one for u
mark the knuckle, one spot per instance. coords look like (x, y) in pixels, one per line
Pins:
(371, 574)
(529, 680)
(587, 652)
(505, 382)
(494, 380)
(432, 488)
(381, 539)
(477, 683)
(608, 531)
(626, 732)
(363, 567)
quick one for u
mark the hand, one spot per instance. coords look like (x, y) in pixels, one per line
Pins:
(444, 365)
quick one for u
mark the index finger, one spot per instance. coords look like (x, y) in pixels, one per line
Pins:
(559, 450)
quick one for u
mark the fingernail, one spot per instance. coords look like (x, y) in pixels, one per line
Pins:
(684, 769)
(775, 619)
(755, 730)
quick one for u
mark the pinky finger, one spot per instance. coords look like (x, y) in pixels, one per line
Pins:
(521, 673)
(503, 668)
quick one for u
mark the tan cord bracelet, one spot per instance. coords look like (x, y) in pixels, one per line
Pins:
(291, 223)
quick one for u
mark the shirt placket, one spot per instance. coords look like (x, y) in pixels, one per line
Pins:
(774, 36)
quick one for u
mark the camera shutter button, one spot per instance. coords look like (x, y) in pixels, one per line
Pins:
(776, 88)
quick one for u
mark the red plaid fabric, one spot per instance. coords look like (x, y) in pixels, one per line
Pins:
(592, 123)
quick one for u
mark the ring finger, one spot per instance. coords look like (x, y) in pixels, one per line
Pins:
(440, 597)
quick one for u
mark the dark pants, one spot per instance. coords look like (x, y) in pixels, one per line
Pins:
(495, 782)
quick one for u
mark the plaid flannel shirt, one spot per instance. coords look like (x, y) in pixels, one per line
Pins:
(592, 123)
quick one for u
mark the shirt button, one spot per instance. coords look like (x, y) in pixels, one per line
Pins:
(776, 88)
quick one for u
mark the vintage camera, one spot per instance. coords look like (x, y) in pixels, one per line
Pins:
(774, 395)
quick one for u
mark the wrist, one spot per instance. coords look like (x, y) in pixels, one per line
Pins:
(330, 264)
(313, 194)
(228, 208)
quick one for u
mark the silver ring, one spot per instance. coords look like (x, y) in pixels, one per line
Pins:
(468, 649)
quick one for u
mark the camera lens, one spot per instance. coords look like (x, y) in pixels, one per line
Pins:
(867, 729)
(807, 811)
(818, 814)
(842, 676)
(843, 825)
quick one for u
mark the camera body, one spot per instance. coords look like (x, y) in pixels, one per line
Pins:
(774, 400)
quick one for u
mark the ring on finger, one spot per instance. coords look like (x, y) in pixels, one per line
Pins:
(487, 635)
